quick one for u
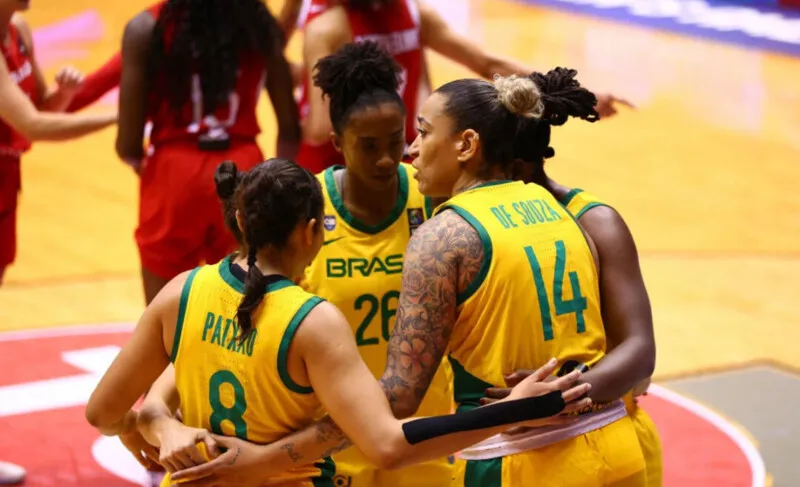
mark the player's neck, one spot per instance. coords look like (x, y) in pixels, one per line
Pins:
(556, 189)
(367, 204)
(270, 263)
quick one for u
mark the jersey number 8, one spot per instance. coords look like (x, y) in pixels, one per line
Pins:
(221, 412)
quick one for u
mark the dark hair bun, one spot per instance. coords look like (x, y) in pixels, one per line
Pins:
(226, 179)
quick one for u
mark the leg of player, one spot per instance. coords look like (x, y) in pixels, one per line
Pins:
(11, 474)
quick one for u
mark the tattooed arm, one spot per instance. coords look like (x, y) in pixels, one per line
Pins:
(442, 259)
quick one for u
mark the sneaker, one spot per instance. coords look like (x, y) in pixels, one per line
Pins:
(11, 474)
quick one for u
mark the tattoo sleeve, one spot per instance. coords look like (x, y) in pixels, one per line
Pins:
(329, 433)
(443, 256)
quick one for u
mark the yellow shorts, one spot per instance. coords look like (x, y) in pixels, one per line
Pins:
(649, 441)
(607, 457)
(354, 470)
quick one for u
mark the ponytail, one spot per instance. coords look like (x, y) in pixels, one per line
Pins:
(272, 199)
(255, 287)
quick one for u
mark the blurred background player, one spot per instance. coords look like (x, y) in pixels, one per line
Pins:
(194, 70)
(28, 113)
(404, 28)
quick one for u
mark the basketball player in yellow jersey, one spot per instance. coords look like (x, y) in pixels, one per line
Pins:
(251, 356)
(502, 275)
(372, 206)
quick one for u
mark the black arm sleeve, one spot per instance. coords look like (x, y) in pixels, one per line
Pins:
(498, 414)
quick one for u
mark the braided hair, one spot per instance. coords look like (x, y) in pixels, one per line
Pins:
(562, 97)
(208, 38)
(272, 199)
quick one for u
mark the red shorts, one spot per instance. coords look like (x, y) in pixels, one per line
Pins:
(10, 183)
(180, 216)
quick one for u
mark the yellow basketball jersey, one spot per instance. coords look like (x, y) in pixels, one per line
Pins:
(242, 389)
(359, 269)
(578, 202)
(536, 295)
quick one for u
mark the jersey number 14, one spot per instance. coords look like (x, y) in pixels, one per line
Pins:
(575, 305)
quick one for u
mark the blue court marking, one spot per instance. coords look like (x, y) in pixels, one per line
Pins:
(756, 24)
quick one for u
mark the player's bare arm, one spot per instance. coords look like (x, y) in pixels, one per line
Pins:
(18, 111)
(288, 17)
(627, 315)
(68, 80)
(443, 257)
(437, 35)
(280, 87)
(133, 89)
(140, 362)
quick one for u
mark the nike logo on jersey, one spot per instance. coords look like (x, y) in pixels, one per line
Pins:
(331, 241)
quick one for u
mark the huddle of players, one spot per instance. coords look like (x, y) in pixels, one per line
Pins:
(356, 213)
(365, 240)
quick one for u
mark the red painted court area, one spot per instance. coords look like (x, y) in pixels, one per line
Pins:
(48, 376)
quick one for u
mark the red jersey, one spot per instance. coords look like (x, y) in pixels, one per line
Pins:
(236, 118)
(396, 27)
(20, 67)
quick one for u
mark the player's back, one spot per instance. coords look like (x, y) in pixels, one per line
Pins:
(536, 296)
(20, 68)
(242, 388)
(537, 293)
(234, 119)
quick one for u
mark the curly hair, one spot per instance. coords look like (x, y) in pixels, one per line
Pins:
(358, 75)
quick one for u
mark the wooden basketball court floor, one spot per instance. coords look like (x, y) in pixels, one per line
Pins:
(703, 171)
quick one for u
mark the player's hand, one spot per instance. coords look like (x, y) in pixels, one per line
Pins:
(144, 453)
(494, 394)
(239, 466)
(68, 81)
(180, 449)
(541, 382)
(606, 105)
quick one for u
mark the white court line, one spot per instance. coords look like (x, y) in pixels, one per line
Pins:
(63, 331)
(750, 451)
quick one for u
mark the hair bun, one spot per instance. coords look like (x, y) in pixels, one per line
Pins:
(519, 95)
(226, 178)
